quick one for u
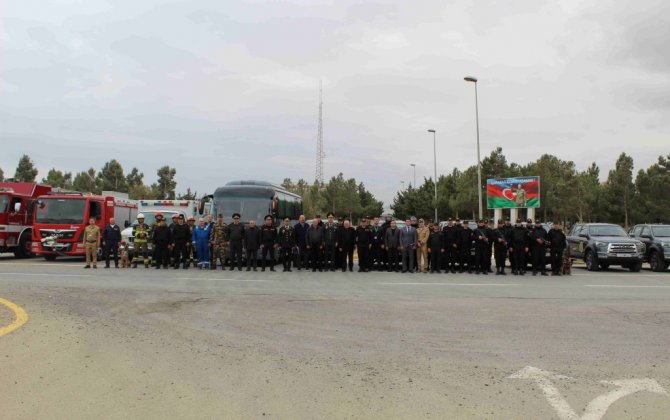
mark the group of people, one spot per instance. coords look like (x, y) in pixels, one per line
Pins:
(327, 245)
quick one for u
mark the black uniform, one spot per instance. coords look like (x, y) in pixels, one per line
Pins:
(314, 242)
(346, 242)
(252, 241)
(481, 250)
(181, 237)
(538, 248)
(508, 234)
(286, 241)
(557, 240)
(235, 244)
(161, 237)
(329, 244)
(376, 261)
(268, 243)
(465, 238)
(112, 236)
(500, 241)
(435, 247)
(450, 234)
(519, 241)
(363, 242)
(300, 232)
(489, 249)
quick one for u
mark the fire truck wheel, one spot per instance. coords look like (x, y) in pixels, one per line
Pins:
(50, 257)
(23, 249)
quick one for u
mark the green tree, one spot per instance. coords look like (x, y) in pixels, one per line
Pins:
(58, 179)
(134, 178)
(111, 177)
(86, 182)
(2, 175)
(652, 200)
(26, 170)
(188, 195)
(164, 188)
(620, 190)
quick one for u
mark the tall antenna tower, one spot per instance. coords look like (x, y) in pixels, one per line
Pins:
(319, 139)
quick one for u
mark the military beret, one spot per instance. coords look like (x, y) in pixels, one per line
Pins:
(181, 216)
(219, 215)
(236, 215)
(267, 217)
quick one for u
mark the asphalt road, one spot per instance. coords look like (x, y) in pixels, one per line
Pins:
(161, 344)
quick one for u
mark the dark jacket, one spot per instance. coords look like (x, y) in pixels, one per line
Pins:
(286, 237)
(268, 235)
(300, 232)
(236, 232)
(450, 236)
(376, 233)
(538, 237)
(363, 236)
(111, 234)
(519, 236)
(346, 238)
(500, 234)
(329, 234)
(181, 233)
(314, 237)
(435, 241)
(481, 237)
(557, 239)
(392, 238)
(252, 238)
(162, 235)
(465, 238)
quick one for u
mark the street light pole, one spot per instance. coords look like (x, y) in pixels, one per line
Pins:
(435, 167)
(479, 162)
(413, 165)
(403, 185)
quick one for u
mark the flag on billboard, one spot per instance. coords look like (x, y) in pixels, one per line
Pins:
(521, 192)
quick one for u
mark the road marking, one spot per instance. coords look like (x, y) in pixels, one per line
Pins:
(44, 264)
(452, 284)
(217, 279)
(45, 274)
(632, 286)
(21, 317)
(597, 407)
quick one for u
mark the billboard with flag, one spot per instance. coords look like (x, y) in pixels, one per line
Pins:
(507, 193)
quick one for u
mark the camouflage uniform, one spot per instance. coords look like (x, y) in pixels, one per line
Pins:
(219, 239)
(142, 233)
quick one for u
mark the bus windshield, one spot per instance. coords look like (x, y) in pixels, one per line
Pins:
(4, 201)
(61, 210)
(255, 208)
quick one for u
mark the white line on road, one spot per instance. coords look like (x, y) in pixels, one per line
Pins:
(452, 284)
(218, 279)
(44, 264)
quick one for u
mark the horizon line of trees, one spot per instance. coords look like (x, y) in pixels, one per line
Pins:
(565, 193)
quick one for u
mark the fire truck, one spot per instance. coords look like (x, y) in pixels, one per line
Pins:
(60, 220)
(16, 215)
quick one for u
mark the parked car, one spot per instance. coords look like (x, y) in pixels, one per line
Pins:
(601, 245)
(657, 244)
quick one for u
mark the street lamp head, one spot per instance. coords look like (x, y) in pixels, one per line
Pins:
(431, 131)
(412, 164)
(470, 79)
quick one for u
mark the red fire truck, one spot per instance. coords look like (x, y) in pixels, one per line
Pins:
(16, 215)
(60, 219)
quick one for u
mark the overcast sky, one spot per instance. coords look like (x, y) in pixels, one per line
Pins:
(226, 90)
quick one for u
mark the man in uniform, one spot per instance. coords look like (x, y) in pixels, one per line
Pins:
(268, 242)
(190, 249)
(500, 239)
(162, 238)
(329, 243)
(422, 234)
(181, 236)
(450, 234)
(300, 230)
(376, 262)
(110, 239)
(408, 239)
(252, 241)
(435, 248)
(391, 244)
(465, 238)
(489, 251)
(557, 243)
(173, 252)
(346, 242)
(286, 241)
(520, 196)
(481, 248)
(91, 241)
(364, 244)
(201, 242)
(236, 238)
(314, 244)
(538, 242)
(519, 247)
(218, 242)
(141, 234)
(508, 232)
(382, 236)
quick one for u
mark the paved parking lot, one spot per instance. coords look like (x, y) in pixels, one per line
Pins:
(193, 344)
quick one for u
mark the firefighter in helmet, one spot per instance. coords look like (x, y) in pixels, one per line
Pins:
(141, 233)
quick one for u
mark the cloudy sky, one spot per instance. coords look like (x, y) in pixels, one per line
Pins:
(226, 90)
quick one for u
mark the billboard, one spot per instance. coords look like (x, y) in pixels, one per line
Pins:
(508, 193)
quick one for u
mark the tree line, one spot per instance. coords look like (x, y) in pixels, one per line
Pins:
(110, 177)
(566, 194)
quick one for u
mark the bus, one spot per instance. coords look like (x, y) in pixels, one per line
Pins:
(254, 200)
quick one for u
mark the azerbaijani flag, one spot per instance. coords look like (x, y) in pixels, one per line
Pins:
(513, 192)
